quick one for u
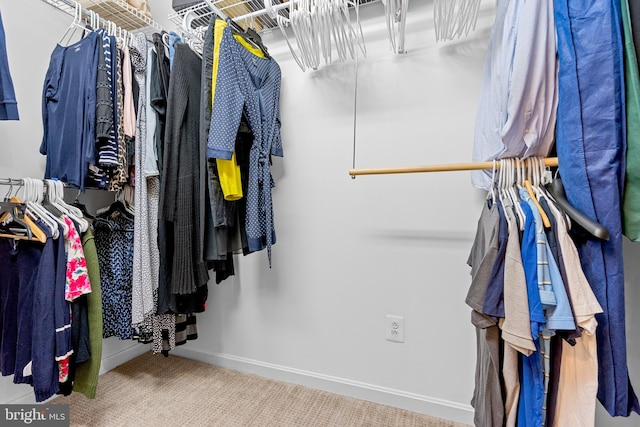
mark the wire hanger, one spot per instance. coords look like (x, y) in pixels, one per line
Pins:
(75, 25)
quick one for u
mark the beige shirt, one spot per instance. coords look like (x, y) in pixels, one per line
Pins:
(578, 384)
(516, 327)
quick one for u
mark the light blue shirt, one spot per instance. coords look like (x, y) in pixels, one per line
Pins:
(545, 288)
(517, 112)
(550, 284)
(490, 117)
(173, 39)
(561, 316)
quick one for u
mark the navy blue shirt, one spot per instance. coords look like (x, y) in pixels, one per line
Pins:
(69, 110)
(8, 103)
(494, 297)
(531, 374)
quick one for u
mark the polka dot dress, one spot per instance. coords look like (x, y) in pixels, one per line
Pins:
(249, 84)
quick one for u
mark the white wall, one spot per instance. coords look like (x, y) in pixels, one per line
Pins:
(349, 251)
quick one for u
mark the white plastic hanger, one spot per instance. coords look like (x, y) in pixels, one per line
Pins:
(454, 18)
(395, 19)
(55, 192)
(34, 191)
(513, 168)
(491, 194)
(75, 24)
(33, 211)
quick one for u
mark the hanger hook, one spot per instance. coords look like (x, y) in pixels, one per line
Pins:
(17, 189)
(6, 197)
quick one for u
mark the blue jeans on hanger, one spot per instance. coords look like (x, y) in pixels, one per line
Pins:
(591, 146)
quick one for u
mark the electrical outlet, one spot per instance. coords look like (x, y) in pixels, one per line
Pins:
(394, 330)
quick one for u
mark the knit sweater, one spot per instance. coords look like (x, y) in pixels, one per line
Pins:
(180, 188)
(86, 380)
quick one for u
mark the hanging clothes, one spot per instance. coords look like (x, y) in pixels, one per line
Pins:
(146, 256)
(29, 285)
(631, 197)
(118, 175)
(114, 243)
(515, 327)
(591, 145)
(530, 302)
(86, 378)
(185, 274)
(8, 102)
(70, 86)
(247, 81)
(578, 376)
(517, 109)
(487, 394)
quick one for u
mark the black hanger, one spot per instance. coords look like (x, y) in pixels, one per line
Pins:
(46, 202)
(82, 207)
(28, 229)
(557, 191)
(116, 207)
(250, 35)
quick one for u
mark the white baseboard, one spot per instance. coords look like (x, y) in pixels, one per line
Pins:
(427, 405)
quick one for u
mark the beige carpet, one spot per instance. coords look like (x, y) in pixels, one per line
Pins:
(152, 390)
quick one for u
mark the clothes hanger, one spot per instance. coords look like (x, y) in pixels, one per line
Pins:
(29, 230)
(556, 189)
(521, 217)
(491, 194)
(395, 19)
(359, 34)
(82, 207)
(74, 213)
(120, 206)
(296, 16)
(249, 34)
(529, 189)
(32, 197)
(56, 205)
(342, 35)
(75, 24)
(454, 18)
(323, 23)
(34, 232)
(281, 21)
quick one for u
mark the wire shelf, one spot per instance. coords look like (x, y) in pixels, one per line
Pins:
(118, 12)
(237, 10)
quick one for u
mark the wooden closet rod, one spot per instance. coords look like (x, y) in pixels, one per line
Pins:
(449, 167)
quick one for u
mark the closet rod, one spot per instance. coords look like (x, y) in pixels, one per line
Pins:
(449, 167)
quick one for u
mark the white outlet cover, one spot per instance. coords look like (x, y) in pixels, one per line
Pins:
(394, 328)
